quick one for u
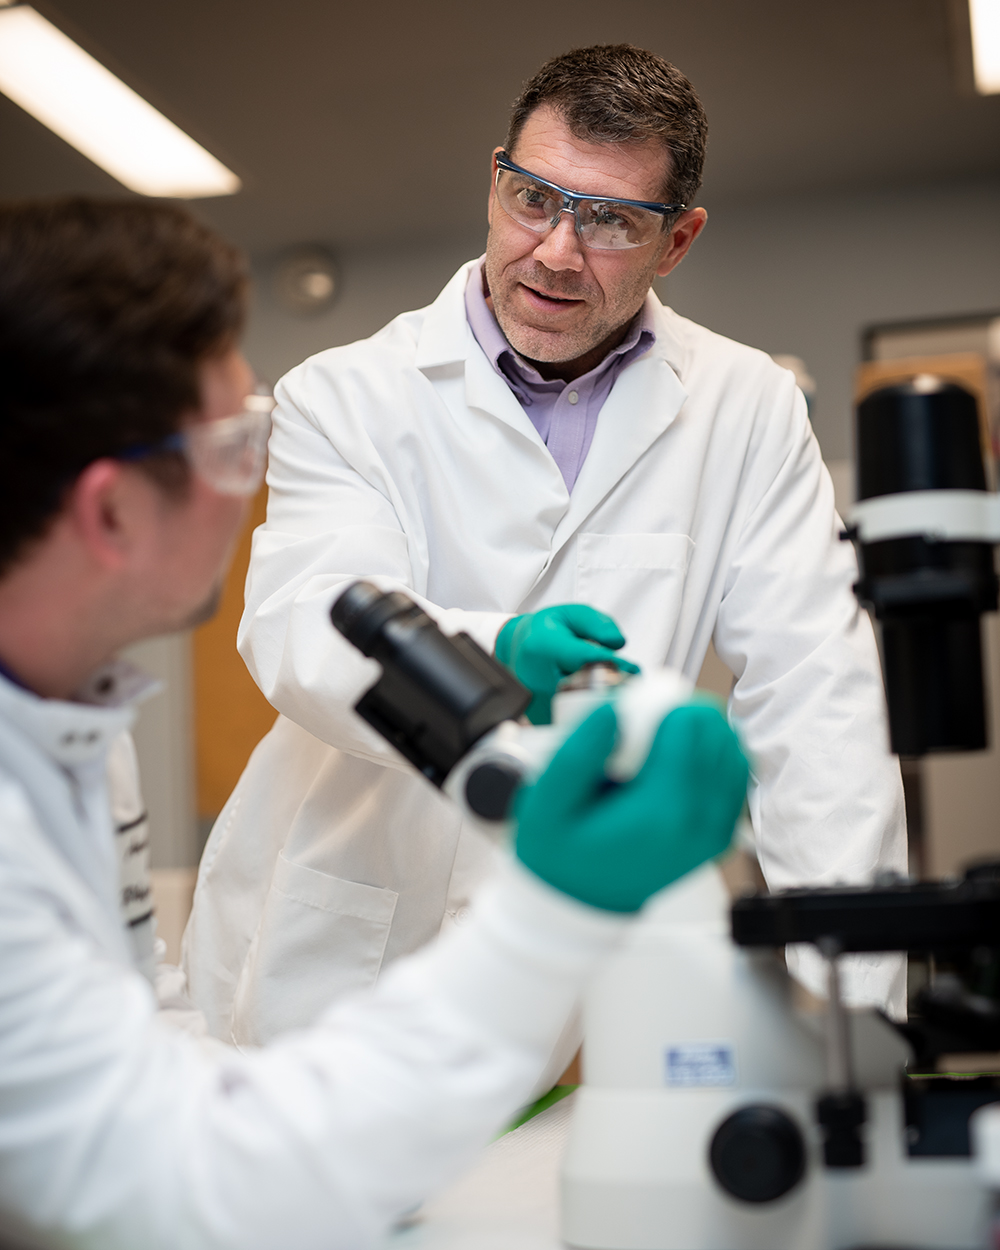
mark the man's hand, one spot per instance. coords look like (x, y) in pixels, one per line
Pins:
(615, 847)
(541, 648)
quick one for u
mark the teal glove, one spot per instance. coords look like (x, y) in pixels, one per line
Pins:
(615, 847)
(542, 648)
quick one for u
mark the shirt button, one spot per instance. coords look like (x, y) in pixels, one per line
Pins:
(573, 397)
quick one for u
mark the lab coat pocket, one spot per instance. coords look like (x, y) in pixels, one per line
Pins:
(319, 936)
(638, 579)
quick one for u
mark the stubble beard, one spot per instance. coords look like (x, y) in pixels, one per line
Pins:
(555, 347)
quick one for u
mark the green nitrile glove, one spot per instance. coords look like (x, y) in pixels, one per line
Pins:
(615, 847)
(541, 648)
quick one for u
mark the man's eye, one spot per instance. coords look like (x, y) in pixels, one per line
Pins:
(533, 197)
(611, 215)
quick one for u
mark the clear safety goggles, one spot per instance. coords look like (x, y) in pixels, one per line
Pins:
(229, 454)
(602, 224)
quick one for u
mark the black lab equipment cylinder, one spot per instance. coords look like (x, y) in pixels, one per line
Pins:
(437, 695)
(929, 595)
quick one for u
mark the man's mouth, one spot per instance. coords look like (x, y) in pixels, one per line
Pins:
(553, 301)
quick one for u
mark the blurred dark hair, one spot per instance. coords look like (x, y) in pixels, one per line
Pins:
(108, 310)
(614, 93)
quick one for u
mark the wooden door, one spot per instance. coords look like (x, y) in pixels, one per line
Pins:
(230, 713)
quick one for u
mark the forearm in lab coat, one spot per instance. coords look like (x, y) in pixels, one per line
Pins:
(119, 1131)
(328, 523)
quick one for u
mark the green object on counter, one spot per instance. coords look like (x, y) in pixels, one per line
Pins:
(614, 846)
(556, 1094)
(541, 648)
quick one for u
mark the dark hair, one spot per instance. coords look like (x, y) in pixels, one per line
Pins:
(614, 93)
(108, 310)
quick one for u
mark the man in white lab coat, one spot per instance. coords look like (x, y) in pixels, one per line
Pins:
(125, 466)
(545, 432)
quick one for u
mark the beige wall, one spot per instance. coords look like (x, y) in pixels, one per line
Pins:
(807, 274)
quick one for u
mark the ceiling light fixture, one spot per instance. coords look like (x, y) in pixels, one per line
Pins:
(54, 80)
(984, 21)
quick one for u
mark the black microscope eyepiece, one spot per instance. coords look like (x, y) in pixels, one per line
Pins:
(437, 695)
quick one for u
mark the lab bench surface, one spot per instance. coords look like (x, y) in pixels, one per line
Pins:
(509, 1199)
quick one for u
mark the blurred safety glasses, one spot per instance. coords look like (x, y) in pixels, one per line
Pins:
(230, 454)
(601, 224)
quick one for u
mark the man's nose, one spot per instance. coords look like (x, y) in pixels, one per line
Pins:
(561, 247)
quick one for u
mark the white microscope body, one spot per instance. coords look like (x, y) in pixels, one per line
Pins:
(683, 1029)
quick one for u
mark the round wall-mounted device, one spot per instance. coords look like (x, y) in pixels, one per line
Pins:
(305, 280)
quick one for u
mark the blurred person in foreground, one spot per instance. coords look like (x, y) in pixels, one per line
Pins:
(127, 455)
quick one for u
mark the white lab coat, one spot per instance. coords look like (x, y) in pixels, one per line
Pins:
(703, 511)
(120, 1131)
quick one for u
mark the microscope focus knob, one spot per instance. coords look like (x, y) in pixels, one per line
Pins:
(757, 1154)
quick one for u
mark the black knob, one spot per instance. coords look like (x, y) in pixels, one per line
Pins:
(758, 1154)
(490, 788)
(841, 1116)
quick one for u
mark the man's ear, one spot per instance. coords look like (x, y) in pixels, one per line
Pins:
(683, 233)
(493, 185)
(103, 507)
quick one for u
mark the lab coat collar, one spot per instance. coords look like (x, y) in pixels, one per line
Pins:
(446, 337)
(55, 750)
(78, 732)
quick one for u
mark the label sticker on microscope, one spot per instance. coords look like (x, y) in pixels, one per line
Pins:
(700, 1064)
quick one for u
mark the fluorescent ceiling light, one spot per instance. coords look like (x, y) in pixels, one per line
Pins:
(54, 80)
(984, 19)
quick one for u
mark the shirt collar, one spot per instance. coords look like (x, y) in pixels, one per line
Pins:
(515, 369)
(79, 731)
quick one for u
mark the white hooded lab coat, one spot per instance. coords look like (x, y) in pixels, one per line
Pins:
(703, 511)
(119, 1130)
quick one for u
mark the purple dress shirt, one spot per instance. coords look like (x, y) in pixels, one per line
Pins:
(564, 413)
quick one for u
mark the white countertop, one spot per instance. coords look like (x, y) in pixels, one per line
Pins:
(508, 1201)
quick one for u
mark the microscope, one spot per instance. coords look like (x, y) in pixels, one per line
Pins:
(719, 1111)
(715, 1113)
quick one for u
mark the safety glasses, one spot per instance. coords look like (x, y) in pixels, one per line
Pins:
(602, 224)
(229, 454)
